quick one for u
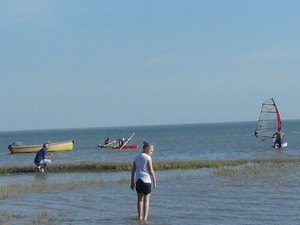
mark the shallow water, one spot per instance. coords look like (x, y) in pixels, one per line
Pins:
(182, 197)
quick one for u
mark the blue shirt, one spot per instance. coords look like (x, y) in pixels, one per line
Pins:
(40, 155)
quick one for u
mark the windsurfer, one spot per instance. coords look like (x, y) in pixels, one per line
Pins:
(278, 135)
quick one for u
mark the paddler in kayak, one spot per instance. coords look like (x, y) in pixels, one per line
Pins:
(121, 142)
(107, 141)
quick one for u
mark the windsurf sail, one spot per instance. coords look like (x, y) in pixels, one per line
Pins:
(269, 121)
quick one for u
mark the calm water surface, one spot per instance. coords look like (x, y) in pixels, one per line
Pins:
(182, 197)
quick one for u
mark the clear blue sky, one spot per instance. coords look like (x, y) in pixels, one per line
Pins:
(93, 63)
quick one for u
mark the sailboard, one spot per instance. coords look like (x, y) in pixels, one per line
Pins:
(127, 141)
(269, 122)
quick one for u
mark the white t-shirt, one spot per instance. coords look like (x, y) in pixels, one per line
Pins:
(142, 171)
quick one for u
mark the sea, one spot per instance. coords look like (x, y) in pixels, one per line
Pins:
(199, 196)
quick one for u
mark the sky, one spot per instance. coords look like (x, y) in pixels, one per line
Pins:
(102, 63)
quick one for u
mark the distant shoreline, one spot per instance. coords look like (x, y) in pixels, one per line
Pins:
(136, 126)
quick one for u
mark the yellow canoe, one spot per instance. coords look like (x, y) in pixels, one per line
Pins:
(53, 147)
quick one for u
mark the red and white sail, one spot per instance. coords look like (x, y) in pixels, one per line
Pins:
(269, 121)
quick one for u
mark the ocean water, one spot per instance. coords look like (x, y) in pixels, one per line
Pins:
(199, 196)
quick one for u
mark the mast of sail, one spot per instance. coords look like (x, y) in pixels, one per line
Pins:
(277, 115)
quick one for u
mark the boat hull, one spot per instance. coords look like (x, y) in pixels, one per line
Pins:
(53, 147)
(117, 147)
(132, 146)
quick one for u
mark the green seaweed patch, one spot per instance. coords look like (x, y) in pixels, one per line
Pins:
(45, 218)
(18, 189)
(158, 165)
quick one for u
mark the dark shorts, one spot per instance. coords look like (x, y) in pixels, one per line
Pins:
(278, 141)
(142, 187)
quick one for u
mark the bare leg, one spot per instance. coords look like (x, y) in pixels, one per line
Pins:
(146, 206)
(140, 199)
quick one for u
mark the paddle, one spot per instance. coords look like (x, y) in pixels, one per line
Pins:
(127, 140)
(110, 143)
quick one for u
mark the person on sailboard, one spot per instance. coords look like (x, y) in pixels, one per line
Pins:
(42, 158)
(279, 135)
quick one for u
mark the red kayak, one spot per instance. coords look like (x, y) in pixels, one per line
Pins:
(132, 146)
(118, 147)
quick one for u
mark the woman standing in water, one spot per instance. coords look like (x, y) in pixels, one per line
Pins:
(142, 177)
